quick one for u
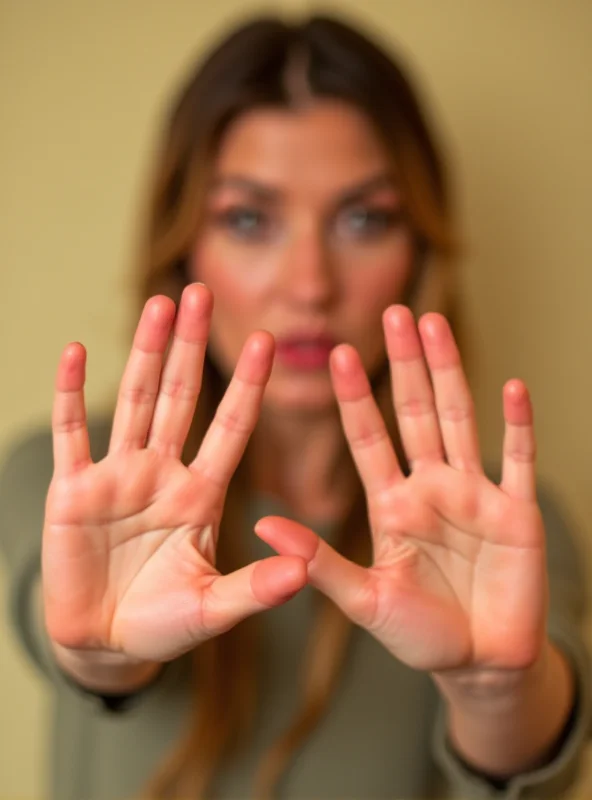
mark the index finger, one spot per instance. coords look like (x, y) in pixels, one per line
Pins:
(368, 438)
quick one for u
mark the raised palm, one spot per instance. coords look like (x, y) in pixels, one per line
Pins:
(458, 578)
(129, 542)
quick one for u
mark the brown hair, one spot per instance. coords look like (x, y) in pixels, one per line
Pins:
(266, 63)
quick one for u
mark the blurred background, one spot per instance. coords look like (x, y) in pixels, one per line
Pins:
(82, 87)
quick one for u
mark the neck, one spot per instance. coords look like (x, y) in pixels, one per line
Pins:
(303, 460)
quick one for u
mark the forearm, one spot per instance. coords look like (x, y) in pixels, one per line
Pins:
(502, 731)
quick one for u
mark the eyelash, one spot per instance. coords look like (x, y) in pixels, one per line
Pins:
(379, 221)
(229, 219)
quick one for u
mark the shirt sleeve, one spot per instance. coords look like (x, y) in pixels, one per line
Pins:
(568, 607)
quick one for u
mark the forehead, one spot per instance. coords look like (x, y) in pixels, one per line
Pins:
(326, 146)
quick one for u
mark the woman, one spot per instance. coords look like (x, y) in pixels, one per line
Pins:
(299, 182)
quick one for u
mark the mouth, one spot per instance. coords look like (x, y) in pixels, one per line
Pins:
(304, 353)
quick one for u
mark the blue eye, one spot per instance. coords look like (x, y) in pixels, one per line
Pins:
(247, 223)
(367, 222)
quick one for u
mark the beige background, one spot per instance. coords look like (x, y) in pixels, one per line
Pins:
(81, 86)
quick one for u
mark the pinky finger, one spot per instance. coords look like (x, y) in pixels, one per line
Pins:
(518, 466)
(71, 448)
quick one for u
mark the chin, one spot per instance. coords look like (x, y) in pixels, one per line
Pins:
(302, 396)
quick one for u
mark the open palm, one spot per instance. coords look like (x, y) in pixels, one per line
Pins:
(458, 578)
(129, 542)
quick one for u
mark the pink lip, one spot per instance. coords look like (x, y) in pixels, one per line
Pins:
(304, 352)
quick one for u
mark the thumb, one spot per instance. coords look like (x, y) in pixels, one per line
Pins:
(347, 584)
(256, 587)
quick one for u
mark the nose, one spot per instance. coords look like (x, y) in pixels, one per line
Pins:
(308, 275)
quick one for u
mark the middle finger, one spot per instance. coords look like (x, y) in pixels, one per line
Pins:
(454, 401)
(413, 396)
(181, 377)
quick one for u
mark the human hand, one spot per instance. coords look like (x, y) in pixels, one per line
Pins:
(129, 542)
(458, 581)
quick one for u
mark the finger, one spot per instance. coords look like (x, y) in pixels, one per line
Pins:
(364, 427)
(413, 397)
(141, 377)
(347, 584)
(256, 587)
(71, 448)
(454, 402)
(518, 464)
(181, 377)
(225, 441)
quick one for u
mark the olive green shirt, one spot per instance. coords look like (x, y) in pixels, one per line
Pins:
(384, 736)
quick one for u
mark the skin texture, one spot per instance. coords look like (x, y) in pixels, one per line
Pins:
(458, 585)
(302, 258)
(129, 543)
(305, 231)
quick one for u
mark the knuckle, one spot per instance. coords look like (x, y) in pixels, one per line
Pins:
(413, 407)
(138, 395)
(69, 425)
(234, 421)
(369, 437)
(521, 450)
(178, 389)
(455, 413)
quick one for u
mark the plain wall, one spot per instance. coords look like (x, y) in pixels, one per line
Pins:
(82, 86)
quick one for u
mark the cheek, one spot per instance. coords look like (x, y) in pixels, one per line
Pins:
(239, 294)
(375, 285)
(375, 291)
(234, 274)
(380, 281)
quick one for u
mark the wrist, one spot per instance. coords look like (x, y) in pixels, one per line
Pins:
(105, 672)
(495, 690)
(502, 723)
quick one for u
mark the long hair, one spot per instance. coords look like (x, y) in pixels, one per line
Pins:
(265, 64)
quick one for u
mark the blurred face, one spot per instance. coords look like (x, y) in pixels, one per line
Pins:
(304, 236)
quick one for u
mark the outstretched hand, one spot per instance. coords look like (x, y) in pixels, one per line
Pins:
(458, 578)
(129, 542)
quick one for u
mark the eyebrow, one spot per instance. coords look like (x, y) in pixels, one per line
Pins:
(261, 190)
(383, 180)
(268, 194)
